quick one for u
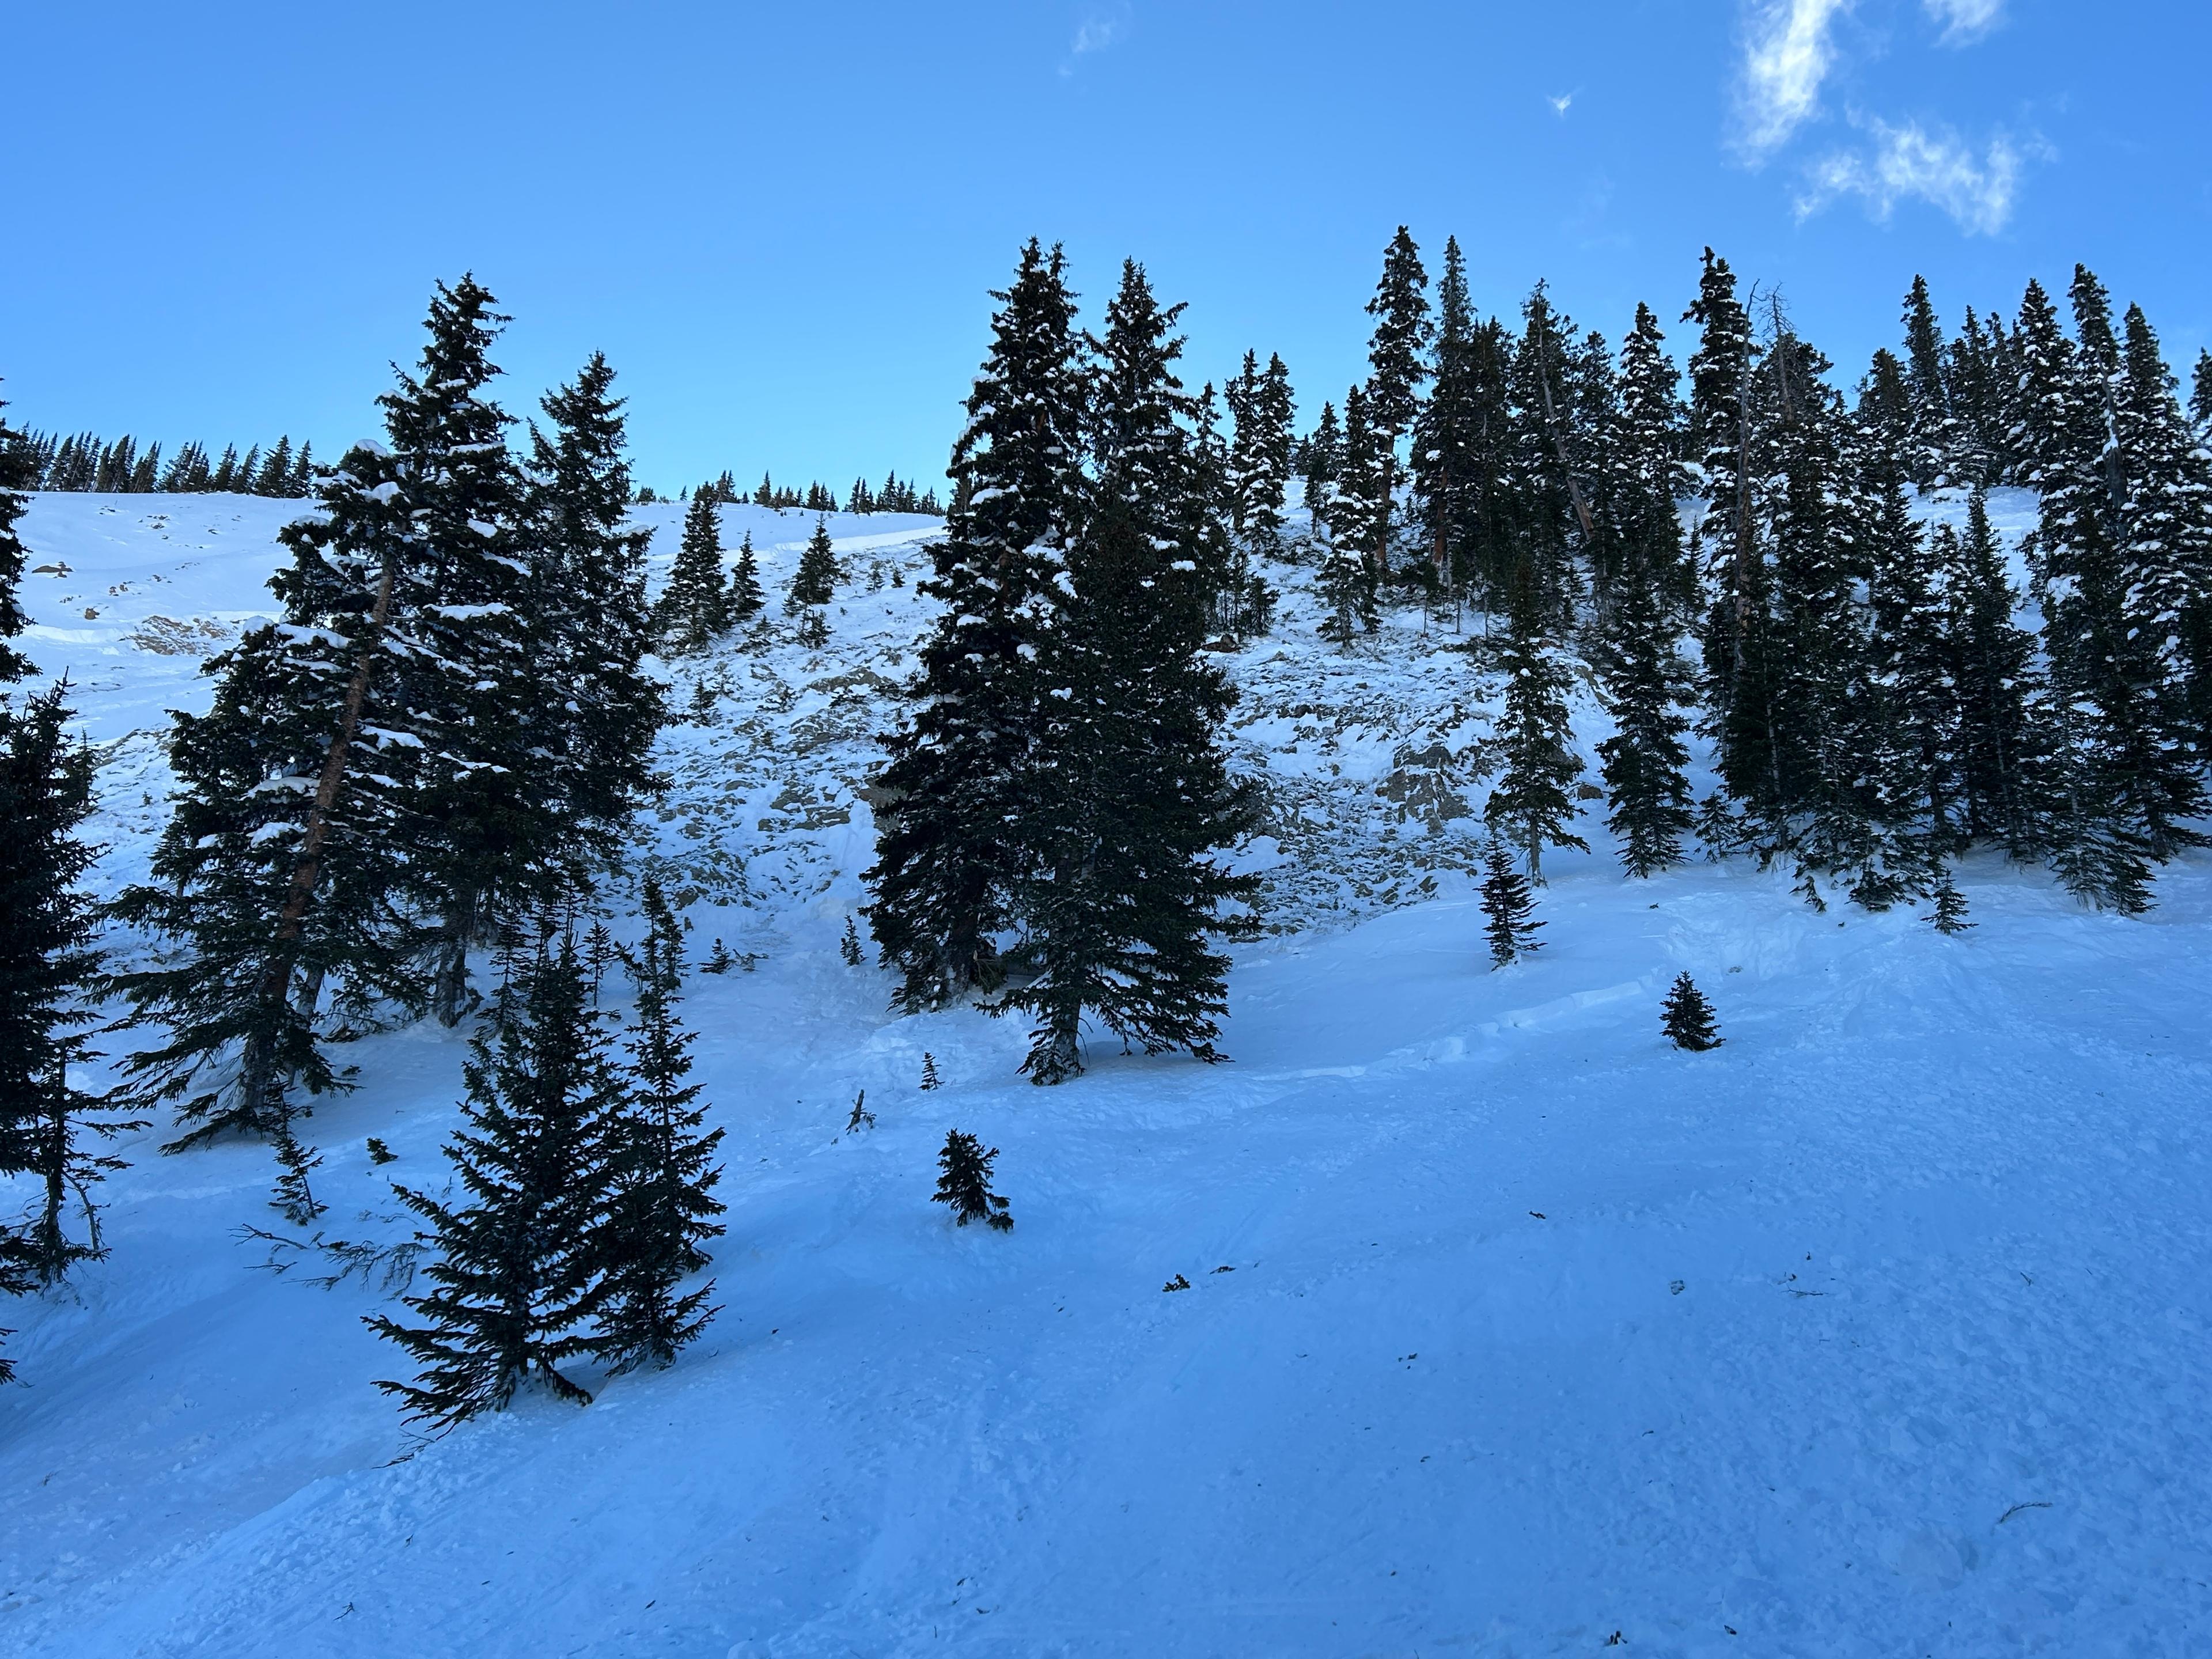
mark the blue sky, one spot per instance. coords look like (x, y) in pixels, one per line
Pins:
(780, 222)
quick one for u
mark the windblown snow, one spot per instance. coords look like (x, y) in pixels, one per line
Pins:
(1509, 1329)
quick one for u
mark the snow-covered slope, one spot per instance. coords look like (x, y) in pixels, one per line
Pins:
(1881, 1330)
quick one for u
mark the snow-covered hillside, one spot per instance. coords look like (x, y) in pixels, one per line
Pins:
(1881, 1330)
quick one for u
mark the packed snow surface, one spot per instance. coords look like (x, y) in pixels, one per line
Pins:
(1881, 1330)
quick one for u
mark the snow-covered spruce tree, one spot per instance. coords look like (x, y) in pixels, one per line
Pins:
(1446, 430)
(517, 1276)
(1688, 1017)
(695, 606)
(480, 792)
(1396, 370)
(1129, 794)
(745, 597)
(1318, 456)
(2200, 392)
(1261, 411)
(598, 710)
(2125, 782)
(1551, 460)
(1646, 683)
(50, 1129)
(661, 1212)
(1934, 429)
(1648, 475)
(2165, 520)
(1508, 907)
(815, 579)
(945, 864)
(1915, 663)
(1721, 441)
(15, 469)
(963, 1181)
(1950, 916)
(1359, 517)
(1998, 685)
(1531, 806)
(283, 870)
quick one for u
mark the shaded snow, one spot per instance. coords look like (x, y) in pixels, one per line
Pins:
(1881, 1330)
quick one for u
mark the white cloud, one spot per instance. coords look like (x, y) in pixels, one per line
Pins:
(1787, 55)
(1909, 162)
(1096, 34)
(1560, 103)
(1965, 22)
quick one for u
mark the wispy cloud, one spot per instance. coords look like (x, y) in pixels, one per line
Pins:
(1787, 55)
(1965, 22)
(1096, 32)
(1560, 102)
(1909, 162)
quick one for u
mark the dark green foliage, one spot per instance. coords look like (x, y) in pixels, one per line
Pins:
(929, 1078)
(660, 1211)
(516, 1277)
(1319, 455)
(1508, 907)
(746, 598)
(945, 865)
(1358, 524)
(1129, 794)
(50, 1129)
(16, 473)
(963, 1180)
(1950, 916)
(695, 606)
(1531, 806)
(1396, 370)
(2200, 392)
(379, 1154)
(1997, 685)
(596, 712)
(719, 959)
(1935, 437)
(848, 945)
(1689, 1016)
(815, 580)
(1642, 763)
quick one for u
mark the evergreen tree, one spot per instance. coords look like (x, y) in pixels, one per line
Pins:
(284, 864)
(15, 465)
(695, 606)
(1649, 468)
(929, 1078)
(1721, 441)
(48, 1128)
(477, 791)
(848, 947)
(2200, 394)
(1259, 458)
(964, 1181)
(945, 862)
(517, 1278)
(1916, 665)
(1689, 1016)
(1360, 515)
(1317, 458)
(1642, 763)
(660, 1215)
(1934, 431)
(1395, 373)
(746, 598)
(1950, 916)
(815, 580)
(597, 711)
(1531, 806)
(1131, 796)
(2125, 782)
(2166, 528)
(1998, 685)
(1508, 907)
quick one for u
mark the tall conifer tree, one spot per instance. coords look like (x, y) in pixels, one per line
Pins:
(1531, 806)
(1132, 797)
(957, 772)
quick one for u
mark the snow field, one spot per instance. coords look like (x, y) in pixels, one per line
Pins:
(1880, 1329)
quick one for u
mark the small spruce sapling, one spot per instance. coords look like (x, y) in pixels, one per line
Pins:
(380, 1153)
(929, 1078)
(964, 1182)
(850, 946)
(862, 1118)
(718, 959)
(1508, 907)
(1689, 1017)
(1950, 914)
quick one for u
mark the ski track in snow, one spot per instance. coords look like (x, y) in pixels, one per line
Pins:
(1880, 1330)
